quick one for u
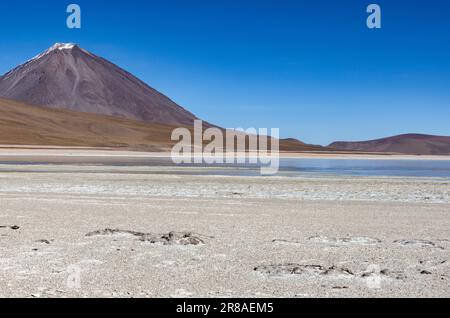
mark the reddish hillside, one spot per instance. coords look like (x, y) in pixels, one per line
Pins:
(414, 144)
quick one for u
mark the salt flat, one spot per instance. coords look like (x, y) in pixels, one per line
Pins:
(257, 237)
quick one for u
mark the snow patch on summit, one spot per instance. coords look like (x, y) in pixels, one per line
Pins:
(62, 46)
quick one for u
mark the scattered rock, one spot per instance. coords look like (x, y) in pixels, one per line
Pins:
(297, 269)
(433, 263)
(363, 240)
(337, 271)
(172, 238)
(333, 272)
(384, 273)
(418, 243)
(43, 241)
(114, 232)
(425, 272)
(13, 227)
(289, 269)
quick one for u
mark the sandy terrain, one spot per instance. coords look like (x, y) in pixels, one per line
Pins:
(57, 154)
(232, 236)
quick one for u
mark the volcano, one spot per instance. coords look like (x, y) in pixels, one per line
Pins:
(69, 77)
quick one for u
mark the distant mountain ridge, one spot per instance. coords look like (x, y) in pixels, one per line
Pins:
(69, 77)
(413, 144)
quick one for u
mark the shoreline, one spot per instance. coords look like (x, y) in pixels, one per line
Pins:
(40, 153)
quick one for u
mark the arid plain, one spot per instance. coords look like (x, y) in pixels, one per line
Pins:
(103, 231)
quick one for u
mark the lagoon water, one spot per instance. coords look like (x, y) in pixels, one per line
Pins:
(289, 167)
(367, 167)
(318, 167)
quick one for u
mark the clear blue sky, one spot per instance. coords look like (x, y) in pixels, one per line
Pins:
(311, 68)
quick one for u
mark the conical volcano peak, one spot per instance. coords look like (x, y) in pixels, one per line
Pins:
(69, 77)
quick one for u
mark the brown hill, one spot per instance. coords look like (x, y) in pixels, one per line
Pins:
(291, 144)
(414, 144)
(22, 124)
(69, 77)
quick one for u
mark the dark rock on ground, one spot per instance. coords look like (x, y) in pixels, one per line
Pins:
(172, 238)
(13, 227)
(114, 232)
(43, 241)
(297, 269)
